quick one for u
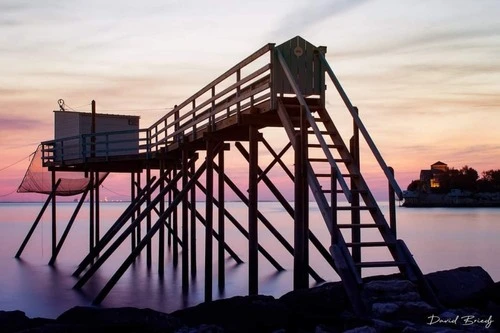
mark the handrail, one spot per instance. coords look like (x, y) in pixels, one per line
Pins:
(201, 110)
(257, 54)
(362, 128)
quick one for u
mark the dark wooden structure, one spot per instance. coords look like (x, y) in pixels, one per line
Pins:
(277, 86)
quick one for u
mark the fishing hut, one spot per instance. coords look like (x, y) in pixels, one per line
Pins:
(279, 86)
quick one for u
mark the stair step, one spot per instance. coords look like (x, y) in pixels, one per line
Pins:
(368, 244)
(317, 145)
(367, 264)
(355, 226)
(355, 207)
(337, 160)
(320, 132)
(354, 191)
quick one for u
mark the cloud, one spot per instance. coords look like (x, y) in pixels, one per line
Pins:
(306, 16)
(430, 39)
(11, 122)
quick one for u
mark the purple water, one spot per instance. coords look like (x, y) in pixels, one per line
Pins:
(439, 238)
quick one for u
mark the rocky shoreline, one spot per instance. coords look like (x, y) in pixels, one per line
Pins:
(470, 299)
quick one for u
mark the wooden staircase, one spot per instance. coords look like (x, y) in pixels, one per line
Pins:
(327, 151)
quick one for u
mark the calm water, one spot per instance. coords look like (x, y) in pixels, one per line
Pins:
(439, 238)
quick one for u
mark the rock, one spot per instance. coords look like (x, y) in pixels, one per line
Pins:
(122, 319)
(201, 329)
(384, 310)
(324, 304)
(459, 286)
(363, 329)
(238, 314)
(13, 321)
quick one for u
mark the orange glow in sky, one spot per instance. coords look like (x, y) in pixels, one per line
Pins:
(425, 75)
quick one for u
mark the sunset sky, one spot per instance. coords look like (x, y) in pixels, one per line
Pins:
(425, 74)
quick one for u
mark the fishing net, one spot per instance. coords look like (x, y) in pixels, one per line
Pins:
(38, 179)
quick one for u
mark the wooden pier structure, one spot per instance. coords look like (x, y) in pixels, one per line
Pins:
(279, 86)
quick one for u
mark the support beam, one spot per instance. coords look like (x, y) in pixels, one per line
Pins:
(185, 223)
(241, 229)
(193, 228)
(221, 227)
(253, 242)
(148, 218)
(138, 187)
(175, 230)
(147, 238)
(38, 218)
(314, 240)
(209, 219)
(132, 199)
(91, 211)
(70, 224)
(392, 207)
(130, 229)
(97, 208)
(54, 214)
(355, 213)
(115, 228)
(301, 219)
(161, 236)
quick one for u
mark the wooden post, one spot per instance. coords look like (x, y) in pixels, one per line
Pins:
(301, 225)
(138, 188)
(175, 230)
(253, 243)
(221, 210)
(132, 199)
(209, 220)
(148, 218)
(54, 214)
(161, 236)
(392, 206)
(169, 221)
(193, 227)
(333, 204)
(91, 211)
(97, 208)
(355, 213)
(92, 130)
(185, 222)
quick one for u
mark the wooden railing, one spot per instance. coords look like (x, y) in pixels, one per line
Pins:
(102, 145)
(226, 96)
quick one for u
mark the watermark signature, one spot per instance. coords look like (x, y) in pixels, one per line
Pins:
(461, 320)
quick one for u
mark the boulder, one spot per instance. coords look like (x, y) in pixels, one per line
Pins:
(319, 305)
(238, 314)
(460, 286)
(118, 319)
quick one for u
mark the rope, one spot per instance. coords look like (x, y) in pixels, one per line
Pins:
(8, 166)
(120, 194)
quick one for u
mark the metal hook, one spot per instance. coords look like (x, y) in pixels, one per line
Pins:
(61, 104)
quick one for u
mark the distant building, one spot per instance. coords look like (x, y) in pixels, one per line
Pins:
(430, 179)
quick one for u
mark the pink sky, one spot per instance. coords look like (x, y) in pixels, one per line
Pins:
(425, 75)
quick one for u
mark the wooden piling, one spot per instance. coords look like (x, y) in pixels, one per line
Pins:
(209, 219)
(221, 227)
(185, 222)
(253, 242)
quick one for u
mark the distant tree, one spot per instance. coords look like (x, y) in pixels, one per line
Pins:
(490, 181)
(415, 185)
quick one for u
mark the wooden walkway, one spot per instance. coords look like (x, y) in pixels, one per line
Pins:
(277, 86)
